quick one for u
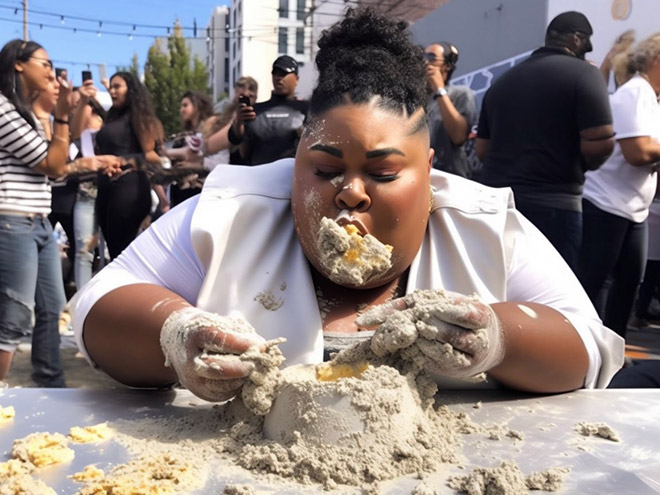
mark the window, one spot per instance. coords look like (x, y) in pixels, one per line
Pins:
(282, 41)
(284, 8)
(227, 40)
(300, 40)
(300, 11)
(226, 69)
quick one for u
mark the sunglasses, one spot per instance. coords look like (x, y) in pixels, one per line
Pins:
(431, 57)
(44, 61)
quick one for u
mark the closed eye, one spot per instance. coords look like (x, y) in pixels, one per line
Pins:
(384, 178)
(326, 175)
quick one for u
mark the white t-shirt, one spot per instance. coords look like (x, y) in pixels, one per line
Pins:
(236, 240)
(618, 187)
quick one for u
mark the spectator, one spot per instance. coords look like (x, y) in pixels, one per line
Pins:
(131, 129)
(217, 141)
(617, 196)
(542, 125)
(271, 130)
(452, 110)
(31, 287)
(196, 108)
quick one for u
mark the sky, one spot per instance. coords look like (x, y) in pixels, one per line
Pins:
(85, 50)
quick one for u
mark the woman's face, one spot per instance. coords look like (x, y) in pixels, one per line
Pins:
(35, 72)
(118, 91)
(376, 165)
(187, 110)
(50, 94)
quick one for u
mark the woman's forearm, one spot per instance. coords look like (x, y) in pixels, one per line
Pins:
(122, 334)
(543, 351)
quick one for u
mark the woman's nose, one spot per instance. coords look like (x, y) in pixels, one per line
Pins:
(353, 196)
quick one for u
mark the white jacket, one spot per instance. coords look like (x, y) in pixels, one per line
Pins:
(237, 241)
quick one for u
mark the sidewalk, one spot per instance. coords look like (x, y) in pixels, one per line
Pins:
(643, 343)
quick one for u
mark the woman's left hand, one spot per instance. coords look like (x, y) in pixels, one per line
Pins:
(458, 335)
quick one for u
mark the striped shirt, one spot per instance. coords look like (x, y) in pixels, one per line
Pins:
(22, 189)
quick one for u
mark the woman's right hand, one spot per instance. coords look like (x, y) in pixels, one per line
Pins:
(87, 90)
(63, 107)
(204, 349)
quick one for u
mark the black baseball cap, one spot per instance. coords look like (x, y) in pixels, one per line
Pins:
(286, 64)
(571, 22)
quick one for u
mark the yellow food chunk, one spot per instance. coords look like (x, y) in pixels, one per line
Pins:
(351, 229)
(43, 449)
(7, 413)
(90, 473)
(14, 468)
(357, 244)
(326, 372)
(87, 434)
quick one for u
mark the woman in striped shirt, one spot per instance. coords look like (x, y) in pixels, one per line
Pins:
(31, 290)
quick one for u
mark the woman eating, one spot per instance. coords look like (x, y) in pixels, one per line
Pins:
(244, 261)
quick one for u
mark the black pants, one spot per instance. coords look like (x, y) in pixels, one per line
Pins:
(642, 375)
(121, 206)
(648, 288)
(612, 245)
(563, 228)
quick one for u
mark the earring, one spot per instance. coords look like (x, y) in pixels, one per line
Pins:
(430, 198)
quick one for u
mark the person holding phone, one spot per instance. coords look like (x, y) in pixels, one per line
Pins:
(216, 142)
(270, 130)
(31, 289)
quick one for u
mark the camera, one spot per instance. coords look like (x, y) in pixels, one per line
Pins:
(86, 75)
(244, 99)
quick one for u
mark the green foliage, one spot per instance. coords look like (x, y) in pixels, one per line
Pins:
(134, 68)
(168, 73)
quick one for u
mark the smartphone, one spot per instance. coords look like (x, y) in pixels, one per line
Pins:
(59, 71)
(245, 100)
(86, 75)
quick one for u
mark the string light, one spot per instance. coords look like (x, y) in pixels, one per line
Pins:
(62, 21)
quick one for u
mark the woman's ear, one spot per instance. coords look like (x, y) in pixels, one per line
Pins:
(18, 66)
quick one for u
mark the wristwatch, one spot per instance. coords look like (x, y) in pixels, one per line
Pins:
(440, 92)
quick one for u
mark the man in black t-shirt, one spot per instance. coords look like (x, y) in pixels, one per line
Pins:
(271, 130)
(542, 125)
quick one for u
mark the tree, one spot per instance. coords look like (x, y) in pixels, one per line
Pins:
(134, 68)
(168, 73)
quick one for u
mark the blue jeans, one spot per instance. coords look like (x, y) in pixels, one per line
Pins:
(563, 228)
(85, 227)
(615, 247)
(31, 293)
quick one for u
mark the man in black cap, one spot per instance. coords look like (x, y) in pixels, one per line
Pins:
(452, 110)
(543, 124)
(270, 130)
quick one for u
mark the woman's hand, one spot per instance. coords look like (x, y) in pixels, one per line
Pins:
(63, 106)
(87, 91)
(108, 164)
(204, 349)
(457, 335)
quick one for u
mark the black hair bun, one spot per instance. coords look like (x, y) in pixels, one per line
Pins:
(368, 54)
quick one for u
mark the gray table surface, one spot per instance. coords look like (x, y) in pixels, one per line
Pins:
(598, 466)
